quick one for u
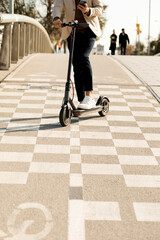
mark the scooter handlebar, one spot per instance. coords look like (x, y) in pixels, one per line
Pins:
(75, 24)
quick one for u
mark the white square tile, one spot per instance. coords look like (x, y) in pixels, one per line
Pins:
(44, 167)
(74, 142)
(18, 140)
(102, 169)
(102, 211)
(16, 157)
(119, 129)
(156, 151)
(95, 135)
(13, 177)
(137, 160)
(76, 180)
(75, 158)
(147, 212)
(149, 181)
(130, 143)
(63, 149)
(93, 150)
(120, 118)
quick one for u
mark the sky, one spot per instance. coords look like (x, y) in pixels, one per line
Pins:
(125, 14)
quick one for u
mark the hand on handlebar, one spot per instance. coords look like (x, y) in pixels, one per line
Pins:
(57, 23)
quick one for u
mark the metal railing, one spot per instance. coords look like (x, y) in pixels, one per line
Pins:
(22, 35)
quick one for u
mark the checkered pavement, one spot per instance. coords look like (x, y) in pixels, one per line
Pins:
(109, 164)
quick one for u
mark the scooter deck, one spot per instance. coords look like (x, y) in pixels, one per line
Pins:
(78, 112)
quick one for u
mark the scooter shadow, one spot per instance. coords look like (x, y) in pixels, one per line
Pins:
(33, 127)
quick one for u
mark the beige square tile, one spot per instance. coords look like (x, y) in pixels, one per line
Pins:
(53, 141)
(147, 109)
(154, 144)
(14, 167)
(16, 148)
(92, 128)
(134, 151)
(75, 168)
(147, 119)
(75, 149)
(104, 188)
(143, 194)
(123, 123)
(140, 170)
(103, 159)
(127, 136)
(127, 230)
(155, 130)
(97, 142)
(51, 157)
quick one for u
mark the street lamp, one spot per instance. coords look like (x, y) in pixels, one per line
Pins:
(11, 6)
(149, 22)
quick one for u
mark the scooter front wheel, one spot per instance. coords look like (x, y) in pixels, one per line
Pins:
(105, 107)
(65, 116)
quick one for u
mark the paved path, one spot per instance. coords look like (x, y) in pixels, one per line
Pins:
(148, 68)
(98, 178)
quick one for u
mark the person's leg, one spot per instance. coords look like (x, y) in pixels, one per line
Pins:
(125, 50)
(84, 43)
(87, 45)
(77, 67)
(121, 49)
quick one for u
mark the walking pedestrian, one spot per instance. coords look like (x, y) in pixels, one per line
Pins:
(123, 39)
(84, 42)
(113, 39)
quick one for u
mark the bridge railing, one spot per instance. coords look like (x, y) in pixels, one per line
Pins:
(22, 35)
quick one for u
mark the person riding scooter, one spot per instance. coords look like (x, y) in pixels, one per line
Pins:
(84, 12)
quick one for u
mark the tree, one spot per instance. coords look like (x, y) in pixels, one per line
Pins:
(155, 46)
(47, 20)
(22, 7)
(102, 19)
(4, 6)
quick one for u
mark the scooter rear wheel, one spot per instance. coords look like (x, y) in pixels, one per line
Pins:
(105, 107)
(65, 116)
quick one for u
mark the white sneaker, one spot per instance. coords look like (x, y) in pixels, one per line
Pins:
(87, 103)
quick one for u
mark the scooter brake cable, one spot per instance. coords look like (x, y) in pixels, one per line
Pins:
(72, 89)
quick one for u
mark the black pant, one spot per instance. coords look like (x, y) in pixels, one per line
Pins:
(84, 42)
(112, 52)
(123, 49)
(113, 48)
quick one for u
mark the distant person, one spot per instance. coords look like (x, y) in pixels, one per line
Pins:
(123, 39)
(113, 38)
(59, 48)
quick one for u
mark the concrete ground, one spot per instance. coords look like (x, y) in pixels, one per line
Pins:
(96, 179)
(148, 68)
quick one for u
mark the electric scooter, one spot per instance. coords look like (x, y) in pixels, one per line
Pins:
(68, 107)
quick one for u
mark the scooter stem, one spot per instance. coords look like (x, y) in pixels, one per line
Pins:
(67, 88)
